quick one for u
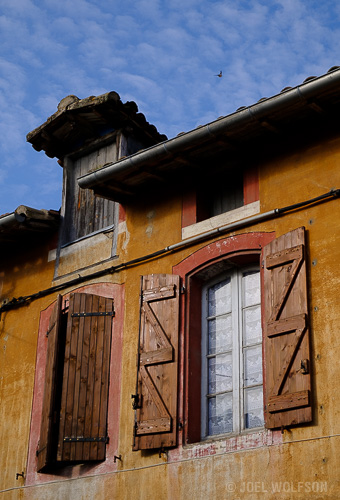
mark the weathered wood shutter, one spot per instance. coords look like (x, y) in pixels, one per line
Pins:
(287, 349)
(84, 399)
(156, 398)
(48, 418)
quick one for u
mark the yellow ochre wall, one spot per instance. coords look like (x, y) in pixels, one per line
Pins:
(298, 464)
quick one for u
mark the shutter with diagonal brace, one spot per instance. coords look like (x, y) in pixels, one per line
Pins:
(156, 398)
(84, 399)
(48, 418)
(287, 345)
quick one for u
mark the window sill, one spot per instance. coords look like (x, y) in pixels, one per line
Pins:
(219, 445)
(104, 230)
(221, 220)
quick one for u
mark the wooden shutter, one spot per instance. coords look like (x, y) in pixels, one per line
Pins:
(287, 349)
(84, 399)
(46, 449)
(156, 402)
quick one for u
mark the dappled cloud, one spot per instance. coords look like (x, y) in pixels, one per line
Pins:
(163, 55)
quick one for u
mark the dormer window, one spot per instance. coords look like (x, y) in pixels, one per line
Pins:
(84, 213)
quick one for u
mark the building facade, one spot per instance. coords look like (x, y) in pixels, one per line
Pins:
(172, 333)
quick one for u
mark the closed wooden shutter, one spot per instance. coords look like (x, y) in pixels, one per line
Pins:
(156, 402)
(48, 429)
(84, 399)
(287, 345)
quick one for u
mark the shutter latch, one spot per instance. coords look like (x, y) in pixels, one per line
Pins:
(304, 366)
(137, 401)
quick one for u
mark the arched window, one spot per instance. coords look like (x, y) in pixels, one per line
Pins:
(231, 352)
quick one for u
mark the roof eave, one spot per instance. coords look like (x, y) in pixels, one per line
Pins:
(289, 103)
(26, 221)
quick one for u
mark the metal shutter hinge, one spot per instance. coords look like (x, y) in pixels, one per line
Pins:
(80, 439)
(83, 314)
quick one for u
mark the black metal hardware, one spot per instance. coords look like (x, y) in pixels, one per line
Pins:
(41, 449)
(304, 366)
(86, 439)
(50, 329)
(137, 401)
(20, 474)
(82, 315)
(117, 458)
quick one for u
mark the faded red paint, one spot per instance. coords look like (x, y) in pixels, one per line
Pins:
(32, 477)
(121, 214)
(258, 439)
(189, 209)
(251, 186)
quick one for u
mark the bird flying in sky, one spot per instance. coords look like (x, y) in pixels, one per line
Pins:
(220, 74)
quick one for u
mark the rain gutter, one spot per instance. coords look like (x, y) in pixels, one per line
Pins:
(9, 219)
(302, 94)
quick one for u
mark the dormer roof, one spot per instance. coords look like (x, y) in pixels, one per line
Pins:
(79, 122)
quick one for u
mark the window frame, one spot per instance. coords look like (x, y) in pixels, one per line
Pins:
(71, 197)
(194, 220)
(240, 249)
(237, 349)
(33, 477)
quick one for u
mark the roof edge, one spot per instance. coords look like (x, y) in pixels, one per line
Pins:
(255, 112)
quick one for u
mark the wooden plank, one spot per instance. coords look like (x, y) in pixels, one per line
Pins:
(288, 401)
(159, 293)
(67, 399)
(91, 326)
(284, 256)
(286, 325)
(284, 289)
(292, 345)
(151, 426)
(45, 450)
(96, 381)
(155, 357)
(155, 395)
(160, 335)
(105, 372)
(74, 447)
(83, 377)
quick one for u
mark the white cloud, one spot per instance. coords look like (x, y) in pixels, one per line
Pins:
(162, 55)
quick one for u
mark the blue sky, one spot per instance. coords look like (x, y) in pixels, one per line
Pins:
(163, 55)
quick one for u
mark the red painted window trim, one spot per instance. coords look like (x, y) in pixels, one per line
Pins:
(250, 185)
(122, 213)
(109, 290)
(240, 249)
(190, 210)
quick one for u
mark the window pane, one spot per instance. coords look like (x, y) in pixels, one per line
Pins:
(251, 289)
(253, 365)
(220, 373)
(253, 407)
(252, 330)
(220, 298)
(220, 409)
(220, 334)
